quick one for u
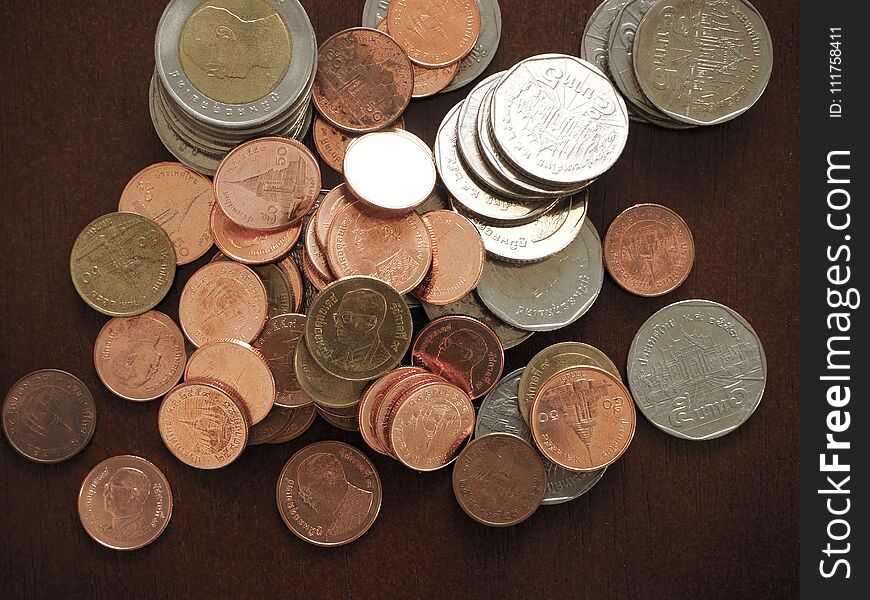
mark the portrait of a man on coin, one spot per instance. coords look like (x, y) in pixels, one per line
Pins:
(358, 322)
(124, 498)
(324, 488)
(139, 364)
(460, 352)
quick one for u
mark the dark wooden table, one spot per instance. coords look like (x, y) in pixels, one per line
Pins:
(671, 519)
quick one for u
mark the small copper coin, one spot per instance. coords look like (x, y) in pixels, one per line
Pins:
(393, 400)
(277, 344)
(178, 199)
(125, 503)
(649, 250)
(364, 80)
(435, 34)
(291, 273)
(315, 252)
(332, 204)
(583, 418)
(332, 142)
(269, 428)
(329, 493)
(239, 366)
(343, 422)
(267, 183)
(312, 275)
(325, 389)
(280, 293)
(140, 358)
(463, 350)
(458, 257)
(499, 480)
(223, 300)
(203, 426)
(428, 82)
(299, 424)
(252, 246)
(371, 402)
(49, 416)
(394, 249)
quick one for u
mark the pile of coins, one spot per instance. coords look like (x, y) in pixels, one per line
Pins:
(681, 63)
(229, 71)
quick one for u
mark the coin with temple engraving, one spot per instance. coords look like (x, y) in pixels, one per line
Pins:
(329, 494)
(251, 246)
(434, 34)
(697, 369)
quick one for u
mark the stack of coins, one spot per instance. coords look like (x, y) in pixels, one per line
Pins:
(681, 64)
(228, 71)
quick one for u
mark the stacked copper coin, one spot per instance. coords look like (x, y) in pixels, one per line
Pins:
(681, 64)
(229, 71)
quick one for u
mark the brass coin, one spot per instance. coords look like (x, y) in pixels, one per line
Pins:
(122, 264)
(325, 389)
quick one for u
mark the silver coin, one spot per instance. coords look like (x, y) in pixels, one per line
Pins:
(696, 369)
(593, 47)
(550, 294)
(470, 306)
(721, 53)
(484, 50)
(374, 12)
(499, 413)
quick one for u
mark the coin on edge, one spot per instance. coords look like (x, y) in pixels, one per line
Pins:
(277, 343)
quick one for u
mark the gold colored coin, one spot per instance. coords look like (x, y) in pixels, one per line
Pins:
(326, 390)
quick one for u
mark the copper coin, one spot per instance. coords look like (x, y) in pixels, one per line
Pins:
(428, 82)
(178, 199)
(280, 293)
(371, 401)
(649, 250)
(458, 257)
(332, 204)
(435, 34)
(140, 358)
(223, 300)
(463, 350)
(277, 344)
(299, 424)
(499, 480)
(325, 389)
(332, 142)
(312, 275)
(315, 253)
(269, 428)
(291, 273)
(329, 494)
(582, 418)
(394, 249)
(364, 80)
(393, 399)
(251, 246)
(267, 183)
(431, 425)
(202, 425)
(343, 422)
(125, 503)
(49, 416)
(239, 366)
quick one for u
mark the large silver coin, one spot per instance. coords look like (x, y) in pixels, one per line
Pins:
(499, 413)
(703, 61)
(696, 369)
(470, 306)
(546, 295)
(593, 47)
(558, 119)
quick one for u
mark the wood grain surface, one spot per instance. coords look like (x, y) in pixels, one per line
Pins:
(671, 519)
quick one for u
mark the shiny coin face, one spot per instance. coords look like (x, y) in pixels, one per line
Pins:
(471, 306)
(49, 416)
(125, 503)
(449, 33)
(595, 36)
(281, 290)
(140, 358)
(499, 480)
(277, 344)
(329, 494)
(122, 264)
(697, 369)
(251, 246)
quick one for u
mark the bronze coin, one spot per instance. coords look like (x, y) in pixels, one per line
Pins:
(272, 426)
(463, 350)
(430, 81)
(251, 246)
(435, 34)
(364, 80)
(582, 418)
(371, 401)
(312, 275)
(331, 142)
(499, 480)
(140, 358)
(332, 204)
(301, 420)
(325, 389)
(358, 328)
(277, 344)
(125, 503)
(315, 253)
(280, 294)
(343, 422)
(393, 399)
(649, 250)
(268, 183)
(49, 416)
(293, 277)
(329, 493)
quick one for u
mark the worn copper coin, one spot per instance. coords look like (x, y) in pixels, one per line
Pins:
(371, 401)
(280, 293)
(431, 81)
(277, 344)
(463, 350)
(331, 142)
(178, 199)
(499, 480)
(312, 275)
(458, 257)
(325, 389)
(49, 416)
(364, 80)
(582, 418)
(435, 34)
(269, 428)
(125, 503)
(252, 246)
(140, 358)
(315, 252)
(329, 494)
(301, 420)
(649, 250)
(267, 183)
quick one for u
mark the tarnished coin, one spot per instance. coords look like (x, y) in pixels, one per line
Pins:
(463, 351)
(431, 81)
(499, 480)
(203, 426)
(329, 494)
(122, 264)
(649, 250)
(251, 246)
(301, 420)
(332, 142)
(277, 344)
(125, 503)
(595, 36)
(49, 416)
(269, 428)
(582, 418)
(469, 305)
(697, 369)
(434, 34)
(179, 200)
(325, 389)
(140, 358)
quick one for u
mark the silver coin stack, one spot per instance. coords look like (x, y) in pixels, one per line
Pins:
(681, 63)
(230, 71)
